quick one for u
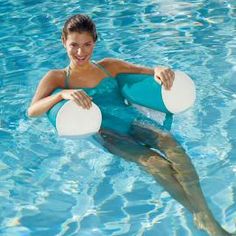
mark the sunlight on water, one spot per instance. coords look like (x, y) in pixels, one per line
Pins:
(58, 186)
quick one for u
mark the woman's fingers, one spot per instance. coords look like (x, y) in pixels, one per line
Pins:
(82, 99)
(76, 99)
(85, 100)
(166, 75)
(170, 78)
(165, 79)
(171, 75)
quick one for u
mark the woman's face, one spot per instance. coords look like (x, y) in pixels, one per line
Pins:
(79, 47)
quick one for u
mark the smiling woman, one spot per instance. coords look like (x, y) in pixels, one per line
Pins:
(83, 81)
(79, 37)
(78, 52)
(79, 47)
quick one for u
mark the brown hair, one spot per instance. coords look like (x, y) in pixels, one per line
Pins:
(79, 23)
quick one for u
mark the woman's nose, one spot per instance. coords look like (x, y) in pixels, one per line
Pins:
(80, 51)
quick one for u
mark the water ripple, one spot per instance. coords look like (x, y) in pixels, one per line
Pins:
(55, 186)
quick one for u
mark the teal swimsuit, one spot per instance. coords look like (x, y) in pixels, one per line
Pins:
(116, 115)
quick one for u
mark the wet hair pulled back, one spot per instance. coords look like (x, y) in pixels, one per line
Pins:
(79, 23)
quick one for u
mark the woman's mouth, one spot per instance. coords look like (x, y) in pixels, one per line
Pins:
(80, 59)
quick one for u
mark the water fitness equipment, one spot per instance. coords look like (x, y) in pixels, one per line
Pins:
(70, 119)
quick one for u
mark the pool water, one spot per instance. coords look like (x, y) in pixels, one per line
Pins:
(58, 186)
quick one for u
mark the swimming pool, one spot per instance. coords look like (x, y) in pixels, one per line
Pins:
(55, 186)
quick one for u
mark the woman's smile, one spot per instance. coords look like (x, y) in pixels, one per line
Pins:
(80, 59)
(79, 47)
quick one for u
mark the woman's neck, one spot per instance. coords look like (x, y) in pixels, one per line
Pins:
(81, 68)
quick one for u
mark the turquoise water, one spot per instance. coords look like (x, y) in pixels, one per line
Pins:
(55, 186)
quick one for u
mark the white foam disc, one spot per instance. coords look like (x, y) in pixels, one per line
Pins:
(182, 94)
(73, 120)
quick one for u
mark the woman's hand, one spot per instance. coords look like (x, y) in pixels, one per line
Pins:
(77, 95)
(164, 75)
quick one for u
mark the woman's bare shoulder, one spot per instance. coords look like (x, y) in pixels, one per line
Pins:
(113, 65)
(116, 66)
(110, 61)
(56, 76)
(56, 73)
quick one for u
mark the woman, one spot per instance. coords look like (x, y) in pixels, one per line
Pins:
(173, 169)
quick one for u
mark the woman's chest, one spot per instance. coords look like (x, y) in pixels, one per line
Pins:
(84, 81)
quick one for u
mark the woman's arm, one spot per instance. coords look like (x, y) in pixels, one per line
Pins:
(42, 100)
(161, 74)
(126, 67)
(116, 66)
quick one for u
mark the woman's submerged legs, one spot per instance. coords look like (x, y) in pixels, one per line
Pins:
(183, 170)
(173, 171)
(129, 149)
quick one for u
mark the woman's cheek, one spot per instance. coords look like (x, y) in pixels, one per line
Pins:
(70, 51)
(91, 50)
